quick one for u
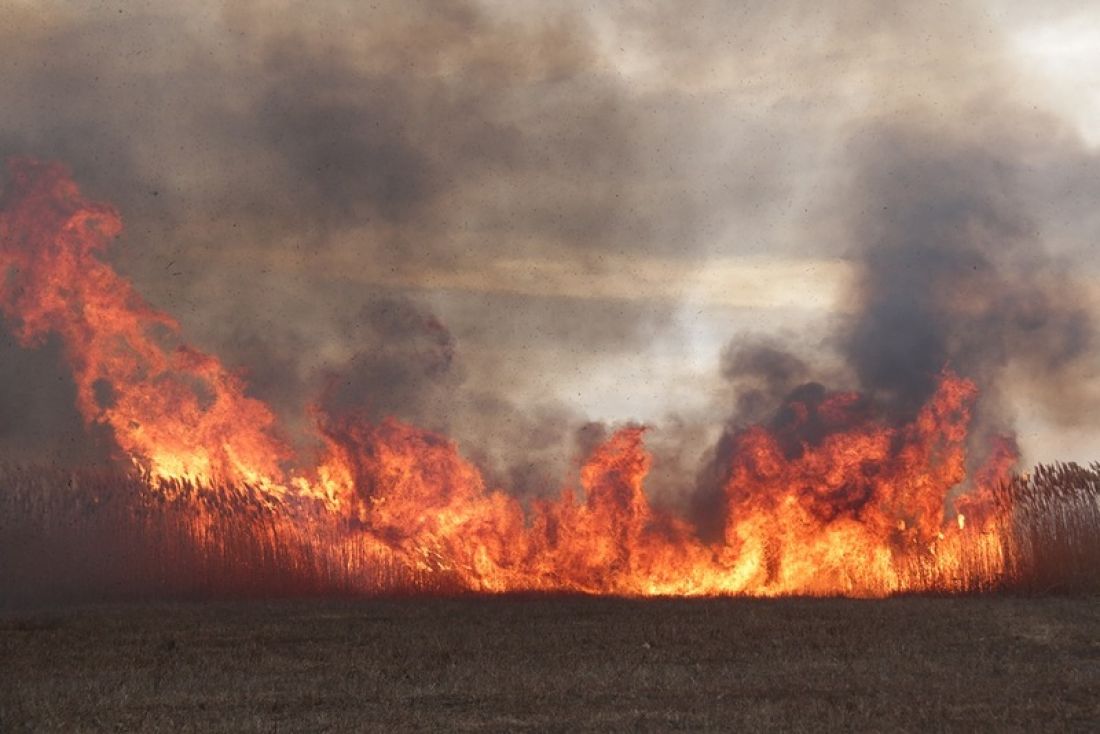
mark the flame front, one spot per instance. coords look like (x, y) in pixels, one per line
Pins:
(830, 500)
(173, 410)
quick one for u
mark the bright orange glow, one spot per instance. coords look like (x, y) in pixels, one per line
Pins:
(831, 500)
(174, 411)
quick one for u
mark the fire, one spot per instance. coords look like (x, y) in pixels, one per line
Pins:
(831, 499)
(174, 411)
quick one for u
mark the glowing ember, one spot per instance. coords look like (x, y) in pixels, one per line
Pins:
(829, 500)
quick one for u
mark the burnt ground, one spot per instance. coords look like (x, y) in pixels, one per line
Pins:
(558, 664)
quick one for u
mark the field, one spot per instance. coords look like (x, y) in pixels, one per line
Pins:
(355, 645)
(559, 664)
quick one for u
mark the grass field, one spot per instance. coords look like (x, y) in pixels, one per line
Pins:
(559, 664)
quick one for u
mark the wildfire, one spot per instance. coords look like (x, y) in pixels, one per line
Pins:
(829, 500)
(173, 410)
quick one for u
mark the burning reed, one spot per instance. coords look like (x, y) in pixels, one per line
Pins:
(114, 535)
(832, 497)
(105, 535)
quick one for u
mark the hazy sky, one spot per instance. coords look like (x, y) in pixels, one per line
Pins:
(509, 218)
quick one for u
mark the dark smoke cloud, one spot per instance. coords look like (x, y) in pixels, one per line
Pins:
(762, 372)
(406, 367)
(39, 421)
(953, 273)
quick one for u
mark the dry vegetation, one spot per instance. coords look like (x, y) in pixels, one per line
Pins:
(557, 664)
(102, 535)
(1017, 659)
(1056, 538)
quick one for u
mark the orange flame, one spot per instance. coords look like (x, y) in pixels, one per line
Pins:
(829, 501)
(174, 411)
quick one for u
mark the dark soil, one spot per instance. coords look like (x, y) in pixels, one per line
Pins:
(558, 664)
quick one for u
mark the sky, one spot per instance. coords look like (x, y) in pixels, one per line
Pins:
(513, 221)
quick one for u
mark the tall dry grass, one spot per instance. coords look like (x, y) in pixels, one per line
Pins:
(1054, 543)
(94, 534)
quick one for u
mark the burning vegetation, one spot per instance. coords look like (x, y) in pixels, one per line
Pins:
(836, 495)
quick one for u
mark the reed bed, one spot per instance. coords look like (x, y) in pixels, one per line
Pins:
(1054, 543)
(105, 534)
(109, 535)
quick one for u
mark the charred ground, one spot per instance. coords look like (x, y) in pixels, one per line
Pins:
(556, 663)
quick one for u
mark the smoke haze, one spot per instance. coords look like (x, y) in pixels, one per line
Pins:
(518, 223)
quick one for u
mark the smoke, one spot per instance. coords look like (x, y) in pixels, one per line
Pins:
(940, 205)
(290, 189)
(952, 273)
(39, 422)
(401, 207)
(407, 365)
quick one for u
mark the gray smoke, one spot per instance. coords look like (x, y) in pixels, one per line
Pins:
(288, 186)
(361, 204)
(953, 273)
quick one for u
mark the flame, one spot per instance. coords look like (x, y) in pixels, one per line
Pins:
(829, 500)
(173, 410)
